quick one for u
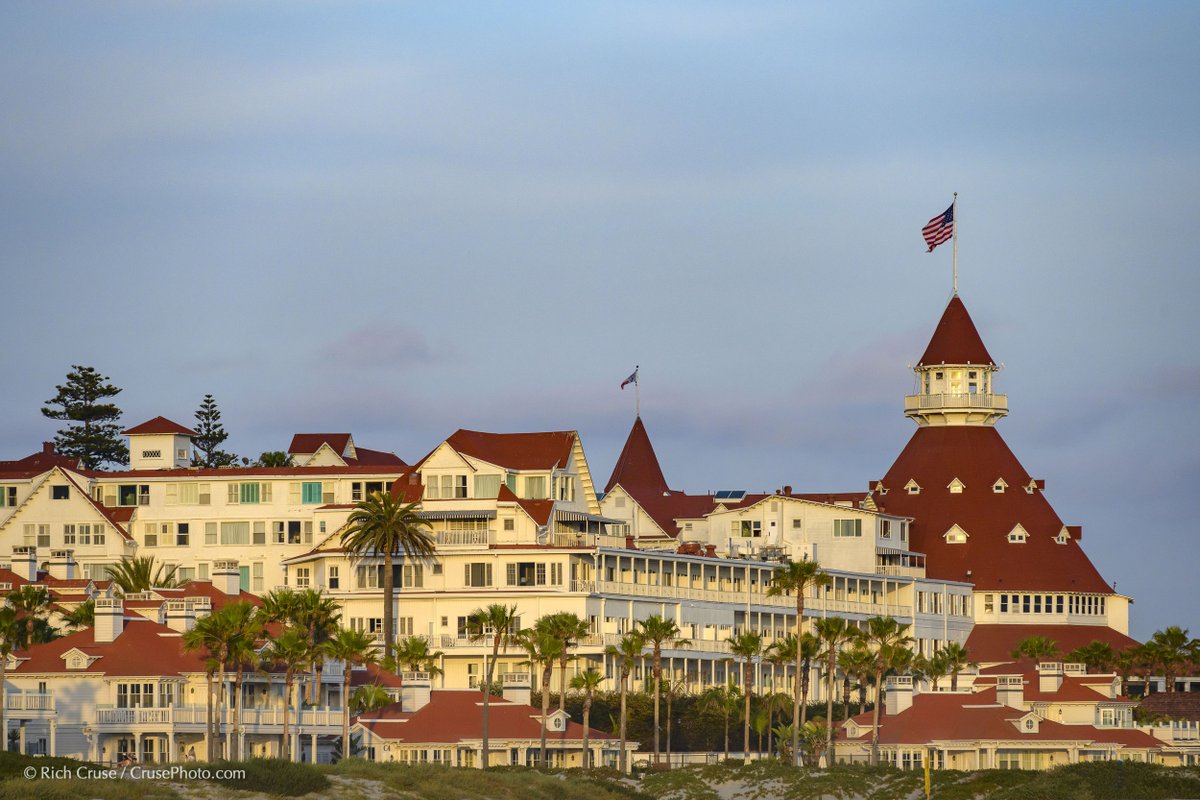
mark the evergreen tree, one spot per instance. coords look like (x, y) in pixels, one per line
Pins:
(93, 435)
(210, 435)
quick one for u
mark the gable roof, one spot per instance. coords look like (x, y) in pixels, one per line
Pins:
(39, 462)
(955, 339)
(995, 643)
(159, 425)
(637, 466)
(977, 456)
(454, 715)
(311, 442)
(537, 510)
(520, 451)
(144, 648)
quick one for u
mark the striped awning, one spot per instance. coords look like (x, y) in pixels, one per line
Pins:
(896, 551)
(480, 514)
(579, 516)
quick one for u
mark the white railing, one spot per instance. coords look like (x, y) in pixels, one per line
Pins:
(464, 538)
(899, 571)
(29, 702)
(583, 586)
(198, 715)
(582, 539)
(812, 606)
(998, 402)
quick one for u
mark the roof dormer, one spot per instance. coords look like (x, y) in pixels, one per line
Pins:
(999, 486)
(912, 487)
(1063, 536)
(1018, 535)
(956, 486)
(75, 659)
(956, 535)
(1028, 724)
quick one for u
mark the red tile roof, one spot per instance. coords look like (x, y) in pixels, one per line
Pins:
(144, 648)
(217, 598)
(946, 716)
(637, 467)
(410, 490)
(37, 463)
(955, 339)
(457, 715)
(159, 425)
(977, 456)
(538, 510)
(365, 457)
(989, 643)
(516, 450)
(1173, 705)
(311, 442)
(351, 468)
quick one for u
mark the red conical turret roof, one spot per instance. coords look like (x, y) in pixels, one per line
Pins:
(637, 467)
(955, 340)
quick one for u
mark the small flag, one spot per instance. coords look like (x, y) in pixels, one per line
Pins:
(631, 379)
(939, 229)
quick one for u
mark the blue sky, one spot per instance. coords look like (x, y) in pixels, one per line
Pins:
(401, 219)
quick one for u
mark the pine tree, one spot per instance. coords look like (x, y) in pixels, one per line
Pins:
(94, 435)
(210, 435)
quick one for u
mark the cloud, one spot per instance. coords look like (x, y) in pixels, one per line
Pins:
(379, 346)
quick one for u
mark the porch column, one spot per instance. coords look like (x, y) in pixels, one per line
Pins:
(172, 755)
(53, 736)
(314, 747)
(20, 737)
(137, 747)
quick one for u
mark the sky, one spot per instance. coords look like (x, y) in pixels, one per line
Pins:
(402, 219)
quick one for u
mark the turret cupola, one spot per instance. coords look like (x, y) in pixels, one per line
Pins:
(955, 375)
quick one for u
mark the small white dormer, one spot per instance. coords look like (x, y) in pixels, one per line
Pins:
(1032, 486)
(956, 486)
(912, 487)
(999, 486)
(956, 535)
(1029, 724)
(76, 659)
(1018, 535)
(557, 721)
(1063, 537)
(880, 489)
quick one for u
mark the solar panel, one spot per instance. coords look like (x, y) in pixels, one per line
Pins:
(730, 494)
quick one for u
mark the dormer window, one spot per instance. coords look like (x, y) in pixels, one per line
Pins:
(956, 535)
(999, 486)
(1031, 487)
(1018, 535)
(912, 487)
(956, 486)
(1063, 537)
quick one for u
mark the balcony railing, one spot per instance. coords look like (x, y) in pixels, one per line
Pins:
(464, 538)
(813, 606)
(995, 402)
(29, 702)
(198, 715)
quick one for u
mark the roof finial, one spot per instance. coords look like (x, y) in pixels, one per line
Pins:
(954, 206)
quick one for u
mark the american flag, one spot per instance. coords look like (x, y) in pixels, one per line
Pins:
(939, 229)
(631, 379)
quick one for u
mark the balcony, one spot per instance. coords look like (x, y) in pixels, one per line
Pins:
(812, 606)
(448, 539)
(29, 705)
(938, 402)
(253, 720)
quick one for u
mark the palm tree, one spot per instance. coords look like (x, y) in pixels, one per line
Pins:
(133, 574)
(369, 696)
(1125, 664)
(349, 647)
(1146, 658)
(673, 689)
(381, 526)
(81, 616)
(1035, 647)
(244, 625)
(957, 659)
(281, 605)
(833, 633)
(569, 629)
(290, 651)
(856, 663)
(587, 682)
(32, 604)
(207, 635)
(413, 654)
(796, 578)
(747, 646)
(543, 650)
(12, 636)
(1096, 656)
(725, 700)
(656, 630)
(316, 615)
(500, 620)
(932, 669)
(1174, 648)
(626, 653)
(884, 636)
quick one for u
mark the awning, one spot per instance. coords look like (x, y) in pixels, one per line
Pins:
(481, 514)
(579, 516)
(896, 551)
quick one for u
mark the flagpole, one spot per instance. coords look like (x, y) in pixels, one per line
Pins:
(637, 391)
(955, 214)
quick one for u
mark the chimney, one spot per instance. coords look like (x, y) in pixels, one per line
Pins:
(516, 688)
(62, 564)
(1010, 691)
(110, 619)
(24, 562)
(787, 490)
(181, 615)
(47, 448)
(898, 696)
(414, 691)
(710, 550)
(226, 578)
(1050, 676)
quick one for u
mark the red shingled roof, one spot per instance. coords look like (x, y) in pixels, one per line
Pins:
(977, 456)
(637, 466)
(144, 648)
(955, 339)
(988, 643)
(457, 715)
(311, 442)
(159, 425)
(538, 510)
(37, 463)
(365, 457)
(516, 450)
